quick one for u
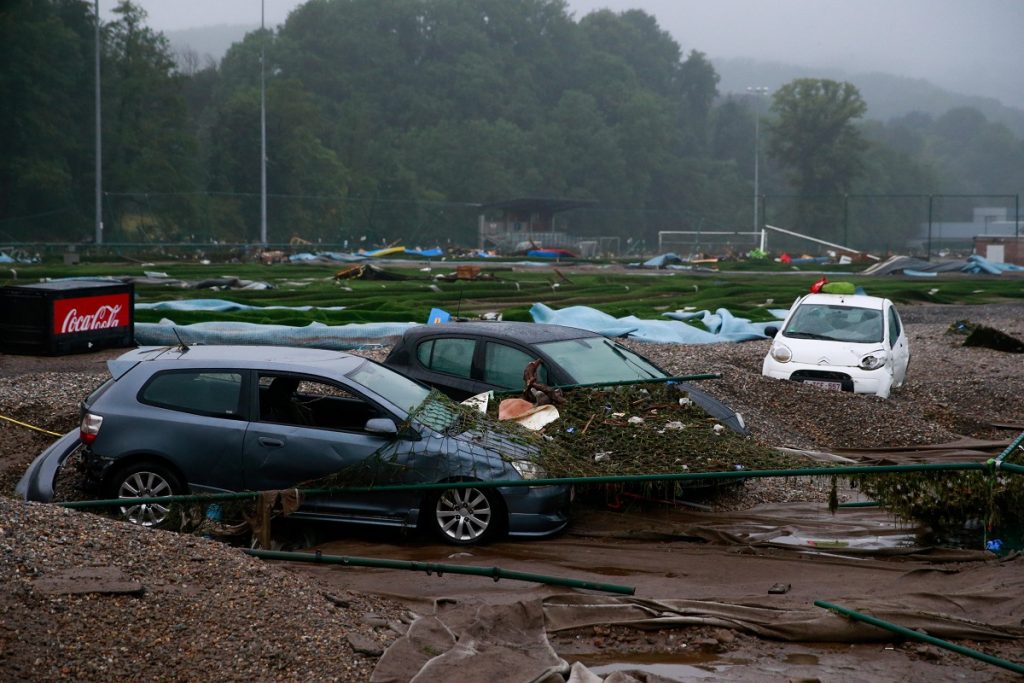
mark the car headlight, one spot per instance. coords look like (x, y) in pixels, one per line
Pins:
(781, 353)
(527, 469)
(872, 361)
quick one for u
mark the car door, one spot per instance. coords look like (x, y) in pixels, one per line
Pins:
(899, 346)
(326, 436)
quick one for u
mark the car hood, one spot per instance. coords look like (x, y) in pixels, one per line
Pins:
(827, 353)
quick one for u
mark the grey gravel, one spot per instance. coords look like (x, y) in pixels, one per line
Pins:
(209, 612)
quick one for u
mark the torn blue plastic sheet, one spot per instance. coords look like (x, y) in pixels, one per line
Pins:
(721, 326)
(222, 305)
(314, 335)
(343, 257)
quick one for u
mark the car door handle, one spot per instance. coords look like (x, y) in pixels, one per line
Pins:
(273, 443)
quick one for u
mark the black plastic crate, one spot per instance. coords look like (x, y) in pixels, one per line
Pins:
(68, 316)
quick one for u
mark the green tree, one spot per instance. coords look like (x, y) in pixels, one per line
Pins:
(150, 160)
(813, 136)
(46, 152)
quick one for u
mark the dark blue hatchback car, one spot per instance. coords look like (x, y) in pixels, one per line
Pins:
(236, 418)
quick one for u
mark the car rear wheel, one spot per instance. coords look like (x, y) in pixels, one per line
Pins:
(466, 516)
(145, 480)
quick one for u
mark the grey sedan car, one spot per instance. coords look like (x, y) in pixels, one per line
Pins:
(224, 418)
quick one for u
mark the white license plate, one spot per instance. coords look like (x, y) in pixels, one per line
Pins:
(835, 386)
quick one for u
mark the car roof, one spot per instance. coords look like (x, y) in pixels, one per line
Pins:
(527, 333)
(268, 357)
(855, 300)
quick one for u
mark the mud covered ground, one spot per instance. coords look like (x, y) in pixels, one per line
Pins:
(206, 612)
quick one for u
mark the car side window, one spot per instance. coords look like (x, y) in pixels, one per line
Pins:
(215, 393)
(895, 327)
(504, 366)
(307, 402)
(451, 356)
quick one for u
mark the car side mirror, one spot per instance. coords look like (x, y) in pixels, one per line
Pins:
(381, 425)
(771, 331)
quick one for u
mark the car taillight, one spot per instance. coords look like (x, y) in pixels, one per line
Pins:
(90, 428)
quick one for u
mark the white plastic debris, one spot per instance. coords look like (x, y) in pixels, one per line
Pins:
(718, 428)
(635, 420)
(685, 401)
(676, 425)
(602, 456)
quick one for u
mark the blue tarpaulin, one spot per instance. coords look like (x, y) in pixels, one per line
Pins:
(721, 326)
(221, 305)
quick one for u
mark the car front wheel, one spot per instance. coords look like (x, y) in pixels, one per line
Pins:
(145, 480)
(466, 516)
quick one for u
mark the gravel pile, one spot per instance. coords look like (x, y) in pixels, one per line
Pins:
(189, 608)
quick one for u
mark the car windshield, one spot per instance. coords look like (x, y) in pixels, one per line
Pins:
(829, 322)
(389, 385)
(596, 359)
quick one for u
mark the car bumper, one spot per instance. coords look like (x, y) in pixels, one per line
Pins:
(537, 510)
(878, 382)
(38, 481)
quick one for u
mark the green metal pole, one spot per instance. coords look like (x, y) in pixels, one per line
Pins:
(559, 481)
(495, 573)
(1010, 449)
(916, 635)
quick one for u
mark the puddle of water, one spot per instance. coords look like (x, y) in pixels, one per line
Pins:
(691, 666)
(895, 540)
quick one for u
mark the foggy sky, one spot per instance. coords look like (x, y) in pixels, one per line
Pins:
(974, 47)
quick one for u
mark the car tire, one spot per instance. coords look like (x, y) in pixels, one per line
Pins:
(145, 480)
(465, 516)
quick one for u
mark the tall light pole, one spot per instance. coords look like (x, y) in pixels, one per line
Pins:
(757, 91)
(263, 130)
(99, 133)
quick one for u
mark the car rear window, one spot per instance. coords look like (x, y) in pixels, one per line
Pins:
(202, 392)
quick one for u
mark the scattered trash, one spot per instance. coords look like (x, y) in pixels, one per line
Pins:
(602, 456)
(675, 425)
(994, 545)
(718, 428)
(635, 420)
(780, 588)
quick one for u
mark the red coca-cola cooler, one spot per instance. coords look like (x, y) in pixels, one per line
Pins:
(67, 316)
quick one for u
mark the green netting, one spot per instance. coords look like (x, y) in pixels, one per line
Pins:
(650, 429)
(626, 430)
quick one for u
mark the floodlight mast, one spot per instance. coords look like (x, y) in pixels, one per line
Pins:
(99, 136)
(757, 91)
(263, 128)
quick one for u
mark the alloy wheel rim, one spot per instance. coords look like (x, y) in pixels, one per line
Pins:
(145, 485)
(463, 514)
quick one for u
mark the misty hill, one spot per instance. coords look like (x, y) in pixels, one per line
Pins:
(212, 41)
(887, 96)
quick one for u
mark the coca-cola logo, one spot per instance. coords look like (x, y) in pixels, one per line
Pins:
(104, 317)
(90, 313)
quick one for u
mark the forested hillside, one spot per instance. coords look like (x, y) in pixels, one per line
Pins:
(394, 119)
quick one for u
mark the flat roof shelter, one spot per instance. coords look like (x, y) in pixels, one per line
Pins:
(531, 220)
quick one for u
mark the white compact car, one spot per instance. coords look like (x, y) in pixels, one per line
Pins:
(845, 342)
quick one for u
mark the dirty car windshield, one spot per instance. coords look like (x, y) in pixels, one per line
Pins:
(388, 384)
(597, 359)
(835, 323)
